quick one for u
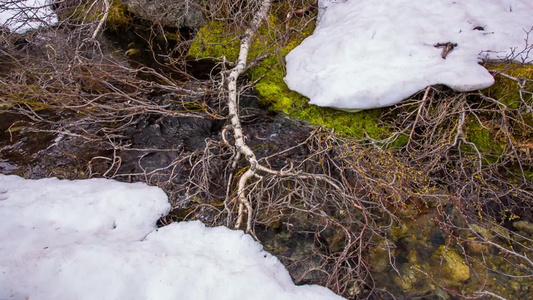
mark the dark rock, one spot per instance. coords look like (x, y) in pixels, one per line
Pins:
(437, 238)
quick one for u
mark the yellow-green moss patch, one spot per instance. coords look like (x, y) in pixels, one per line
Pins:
(119, 17)
(214, 41)
(506, 90)
(217, 40)
(486, 138)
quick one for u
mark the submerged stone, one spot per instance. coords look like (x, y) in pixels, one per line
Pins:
(524, 226)
(452, 265)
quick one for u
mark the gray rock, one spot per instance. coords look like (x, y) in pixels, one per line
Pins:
(187, 13)
(524, 226)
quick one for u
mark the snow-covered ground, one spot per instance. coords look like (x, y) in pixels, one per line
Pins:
(374, 53)
(97, 239)
(21, 15)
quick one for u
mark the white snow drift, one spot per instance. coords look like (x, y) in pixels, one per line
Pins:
(97, 239)
(373, 53)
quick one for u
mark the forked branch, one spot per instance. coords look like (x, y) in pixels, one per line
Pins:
(241, 146)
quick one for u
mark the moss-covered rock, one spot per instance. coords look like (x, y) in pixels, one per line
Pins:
(379, 256)
(453, 265)
(120, 17)
(506, 90)
(84, 11)
(501, 123)
(485, 136)
(214, 41)
(524, 226)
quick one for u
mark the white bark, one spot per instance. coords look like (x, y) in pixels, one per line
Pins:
(234, 114)
(100, 26)
(240, 144)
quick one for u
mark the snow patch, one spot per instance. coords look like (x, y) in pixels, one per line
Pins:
(373, 53)
(97, 239)
(22, 15)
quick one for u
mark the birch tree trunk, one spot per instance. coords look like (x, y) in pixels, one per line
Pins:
(240, 144)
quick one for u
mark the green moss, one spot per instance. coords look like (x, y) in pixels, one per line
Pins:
(506, 90)
(486, 138)
(168, 36)
(399, 231)
(216, 40)
(119, 17)
(274, 93)
(485, 129)
(133, 52)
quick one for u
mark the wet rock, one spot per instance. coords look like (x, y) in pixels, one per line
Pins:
(7, 168)
(452, 265)
(408, 212)
(407, 281)
(482, 231)
(454, 216)
(437, 238)
(174, 133)
(476, 247)
(157, 142)
(269, 133)
(524, 226)
(334, 237)
(296, 252)
(379, 257)
(35, 151)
